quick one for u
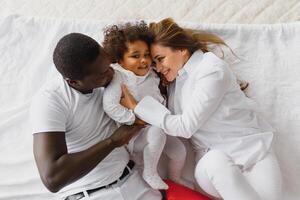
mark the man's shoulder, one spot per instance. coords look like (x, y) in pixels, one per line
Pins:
(49, 110)
(53, 91)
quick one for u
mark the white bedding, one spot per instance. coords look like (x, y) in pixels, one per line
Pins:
(25, 63)
(199, 11)
(270, 62)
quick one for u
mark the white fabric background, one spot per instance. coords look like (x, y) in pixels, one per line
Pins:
(270, 62)
(200, 11)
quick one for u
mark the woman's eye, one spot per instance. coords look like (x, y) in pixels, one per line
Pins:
(160, 59)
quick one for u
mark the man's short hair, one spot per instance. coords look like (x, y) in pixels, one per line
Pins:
(73, 54)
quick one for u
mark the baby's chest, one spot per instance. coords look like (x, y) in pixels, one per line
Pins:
(147, 88)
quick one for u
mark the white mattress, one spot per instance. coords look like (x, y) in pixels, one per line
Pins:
(199, 11)
(271, 64)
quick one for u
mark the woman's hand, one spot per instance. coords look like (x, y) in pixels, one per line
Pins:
(139, 122)
(127, 100)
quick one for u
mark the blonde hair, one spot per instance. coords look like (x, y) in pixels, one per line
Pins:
(169, 34)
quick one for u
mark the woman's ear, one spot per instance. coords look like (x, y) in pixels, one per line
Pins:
(184, 52)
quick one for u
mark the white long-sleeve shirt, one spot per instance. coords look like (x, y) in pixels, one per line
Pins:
(207, 105)
(139, 86)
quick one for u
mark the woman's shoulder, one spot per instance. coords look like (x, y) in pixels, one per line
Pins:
(213, 59)
(209, 64)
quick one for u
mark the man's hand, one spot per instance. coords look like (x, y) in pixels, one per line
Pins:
(127, 100)
(59, 168)
(124, 133)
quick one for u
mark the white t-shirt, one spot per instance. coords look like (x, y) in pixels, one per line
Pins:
(59, 108)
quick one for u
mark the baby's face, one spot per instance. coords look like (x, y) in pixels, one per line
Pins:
(137, 59)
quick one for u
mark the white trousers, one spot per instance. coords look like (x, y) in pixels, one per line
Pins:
(132, 188)
(218, 176)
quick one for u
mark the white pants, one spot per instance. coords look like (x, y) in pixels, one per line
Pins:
(218, 176)
(132, 188)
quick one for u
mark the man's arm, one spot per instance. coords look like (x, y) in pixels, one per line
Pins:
(57, 168)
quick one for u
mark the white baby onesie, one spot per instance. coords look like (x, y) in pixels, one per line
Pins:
(151, 140)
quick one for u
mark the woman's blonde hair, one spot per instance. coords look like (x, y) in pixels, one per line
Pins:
(169, 34)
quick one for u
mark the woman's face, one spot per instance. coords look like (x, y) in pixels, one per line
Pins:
(137, 58)
(168, 61)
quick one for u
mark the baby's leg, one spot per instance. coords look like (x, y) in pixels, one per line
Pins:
(176, 152)
(156, 140)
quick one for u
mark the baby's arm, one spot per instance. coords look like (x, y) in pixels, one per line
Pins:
(111, 102)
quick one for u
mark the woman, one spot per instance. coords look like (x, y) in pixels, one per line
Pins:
(234, 158)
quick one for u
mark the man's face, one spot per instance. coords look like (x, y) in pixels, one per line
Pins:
(99, 74)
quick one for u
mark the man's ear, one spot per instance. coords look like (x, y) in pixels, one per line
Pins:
(120, 62)
(74, 83)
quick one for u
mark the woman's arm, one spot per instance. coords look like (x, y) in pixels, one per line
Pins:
(204, 100)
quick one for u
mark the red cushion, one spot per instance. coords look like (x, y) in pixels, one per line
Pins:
(180, 192)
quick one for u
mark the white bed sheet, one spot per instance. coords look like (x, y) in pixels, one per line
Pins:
(198, 11)
(270, 62)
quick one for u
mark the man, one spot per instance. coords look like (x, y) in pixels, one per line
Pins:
(77, 147)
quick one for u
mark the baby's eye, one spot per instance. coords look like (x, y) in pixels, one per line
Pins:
(135, 56)
(147, 55)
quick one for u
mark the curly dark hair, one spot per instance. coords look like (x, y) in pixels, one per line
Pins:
(74, 53)
(116, 37)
